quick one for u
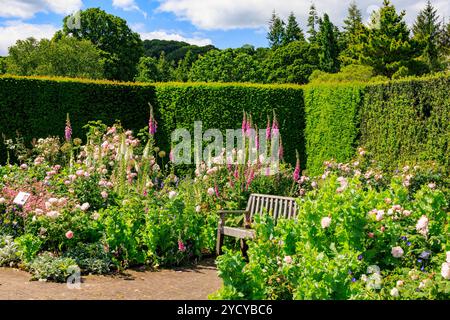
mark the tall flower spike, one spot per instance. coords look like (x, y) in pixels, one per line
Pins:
(296, 174)
(280, 150)
(275, 127)
(68, 130)
(152, 124)
(244, 123)
(268, 129)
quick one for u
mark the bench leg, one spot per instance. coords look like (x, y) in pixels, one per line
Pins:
(219, 243)
(244, 248)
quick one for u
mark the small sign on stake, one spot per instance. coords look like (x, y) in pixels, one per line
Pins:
(21, 198)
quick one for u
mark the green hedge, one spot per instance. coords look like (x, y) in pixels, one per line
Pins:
(398, 121)
(37, 107)
(332, 123)
(408, 120)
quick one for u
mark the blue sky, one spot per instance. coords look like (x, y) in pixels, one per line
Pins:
(223, 23)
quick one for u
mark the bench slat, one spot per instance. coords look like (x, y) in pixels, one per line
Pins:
(240, 233)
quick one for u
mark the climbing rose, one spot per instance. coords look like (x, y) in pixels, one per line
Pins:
(85, 206)
(211, 191)
(172, 194)
(69, 234)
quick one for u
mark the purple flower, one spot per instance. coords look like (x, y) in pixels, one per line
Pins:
(404, 238)
(296, 174)
(408, 243)
(360, 257)
(419, 260)
(68, 130)
(425, 255)
(152, 124)
(268, 135)
(353, 279)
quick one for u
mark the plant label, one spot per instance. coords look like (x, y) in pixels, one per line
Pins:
(21, 198)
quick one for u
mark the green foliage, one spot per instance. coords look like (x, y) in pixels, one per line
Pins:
(66, 56)
(174, 50)
(2, 65)
(276, 33)
(28, 246)
(121, 47)
(91, 258)
(426, 32)
(332, 123)
(327, 39)
(230, 65)
(292, 63)
(47, 266)
(8, 251)
(349, 73)
(385, 45)
(293, 32)
(407, 121)
(343, 245)
(313, 21)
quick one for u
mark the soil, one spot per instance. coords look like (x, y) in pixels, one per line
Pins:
(190, 283)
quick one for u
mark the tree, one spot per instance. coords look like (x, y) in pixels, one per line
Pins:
(184, 66)
(292, 63)
(353, 22)
(385, 45)
(327, 39)
(147, 70)
(2, 65)
(122, 48)
(66, 57)
(353, 26)
(23, 57)
(313, 21)
(426, 30)
(276, 31)
(229, 65)
(293, 32)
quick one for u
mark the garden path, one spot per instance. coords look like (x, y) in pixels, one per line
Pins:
(167, 284)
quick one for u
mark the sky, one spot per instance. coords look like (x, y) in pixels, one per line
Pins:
(222, 23)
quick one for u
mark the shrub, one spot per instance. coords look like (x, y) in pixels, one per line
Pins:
(50, 267)
(92, 258)
(354, 240)
(8, 251)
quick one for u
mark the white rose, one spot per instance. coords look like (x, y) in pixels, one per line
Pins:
(2, 200)
(85, 206)
(394, 292)
(397, 252)
(445, 270)
(325, 222)
(198, 208)
(172, 194)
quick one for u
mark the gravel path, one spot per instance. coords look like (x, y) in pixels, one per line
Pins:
(184, 284)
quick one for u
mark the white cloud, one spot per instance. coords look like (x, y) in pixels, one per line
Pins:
(25, 9)
(235, 14)
(128, 5)
(164, 35)
(12, 31)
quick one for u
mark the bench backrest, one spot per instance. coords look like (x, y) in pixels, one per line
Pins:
(279, 207)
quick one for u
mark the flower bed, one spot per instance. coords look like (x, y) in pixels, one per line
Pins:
(361, 234)
(116, 202)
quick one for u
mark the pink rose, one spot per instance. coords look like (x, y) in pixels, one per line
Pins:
(69, 234)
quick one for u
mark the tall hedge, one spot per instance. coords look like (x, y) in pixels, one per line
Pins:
(37, 107)
(408, 120)
(221, 105)
(332, 123)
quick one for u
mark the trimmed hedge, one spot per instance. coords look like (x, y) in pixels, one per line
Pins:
(408, 120)
(332, 123)
(37, 107)
(399, 121)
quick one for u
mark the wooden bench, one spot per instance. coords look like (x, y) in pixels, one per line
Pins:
(278, 207)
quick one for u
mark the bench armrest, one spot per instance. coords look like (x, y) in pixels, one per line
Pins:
(231, 211)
